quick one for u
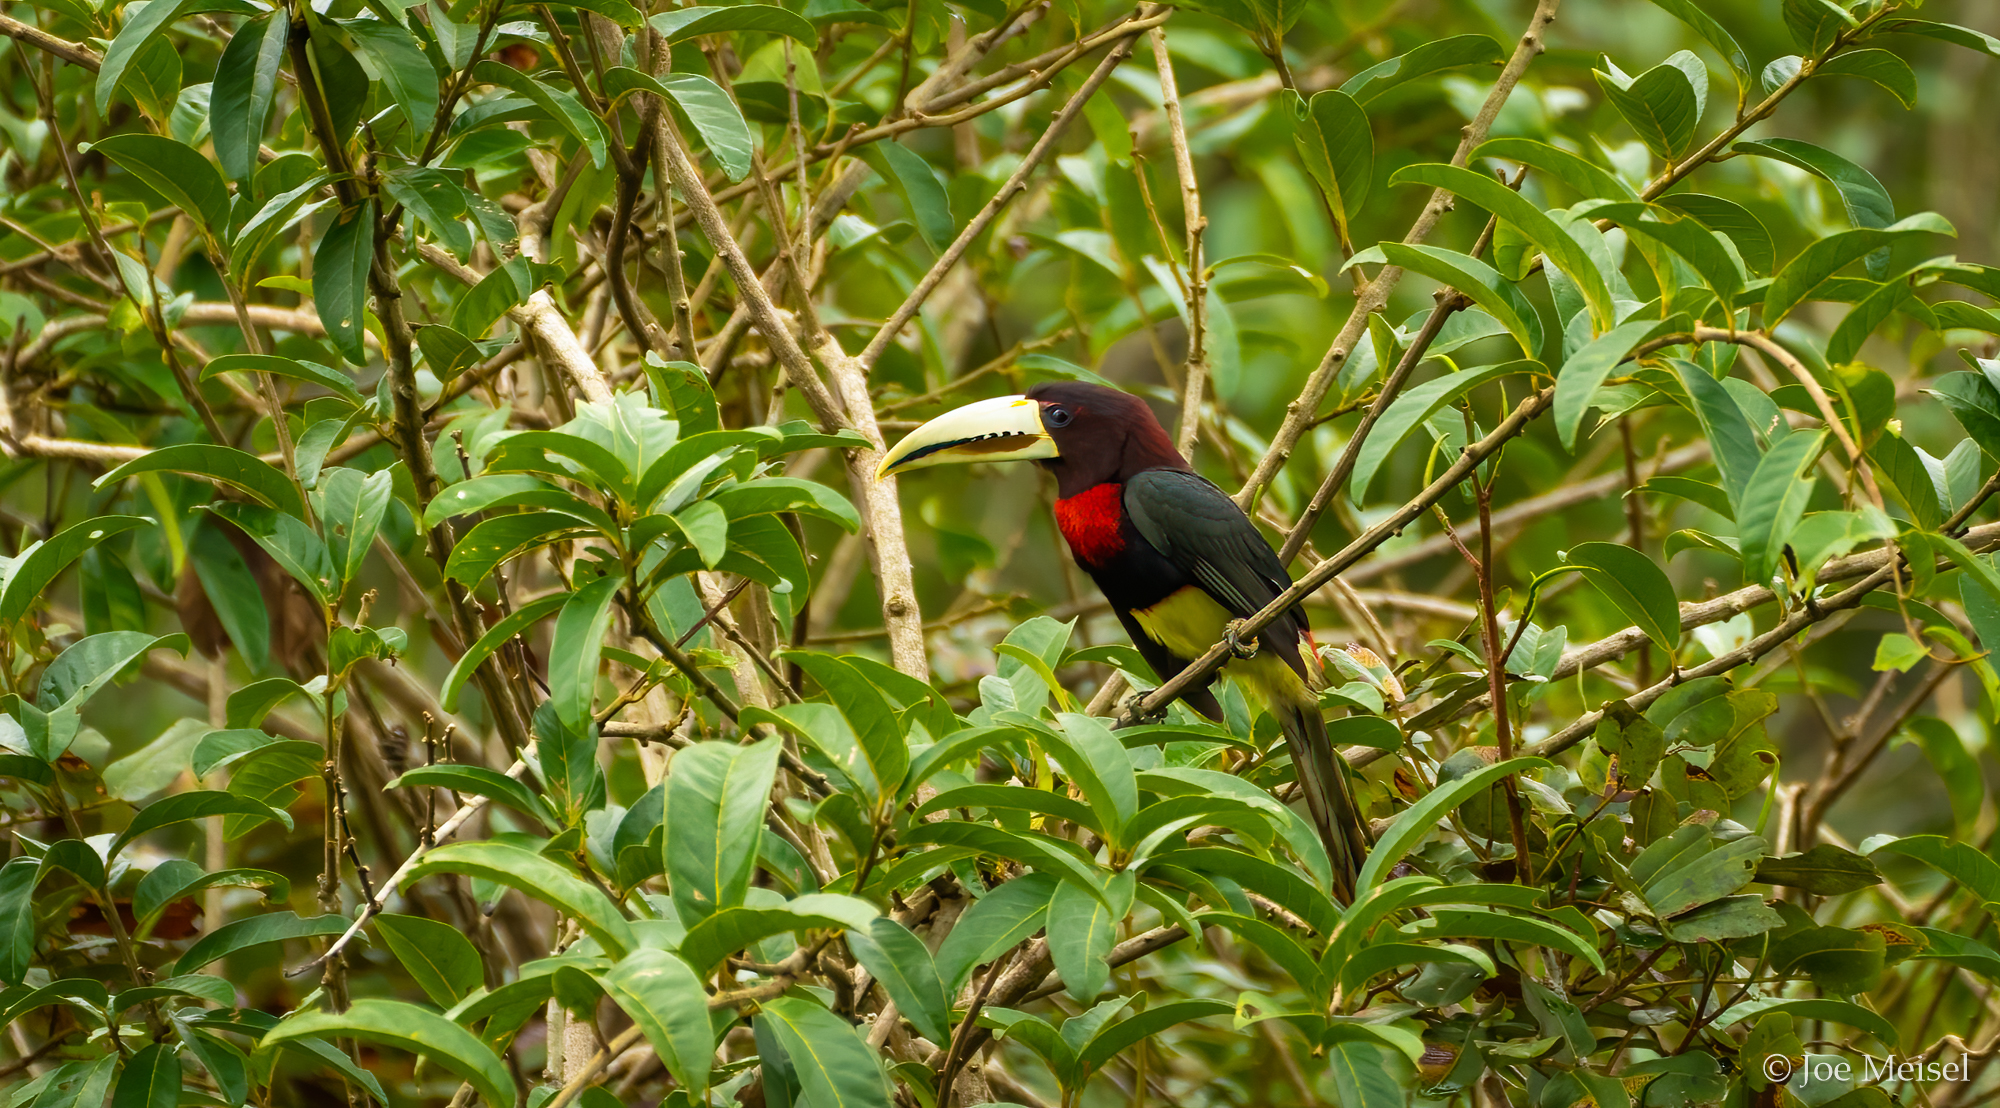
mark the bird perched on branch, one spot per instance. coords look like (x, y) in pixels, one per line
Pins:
(1178, 560)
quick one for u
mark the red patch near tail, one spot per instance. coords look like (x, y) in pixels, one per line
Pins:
(1089, 523)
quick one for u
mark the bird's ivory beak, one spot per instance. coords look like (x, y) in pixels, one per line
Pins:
(1003, 429)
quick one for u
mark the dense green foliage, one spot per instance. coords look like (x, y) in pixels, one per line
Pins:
(454, 646)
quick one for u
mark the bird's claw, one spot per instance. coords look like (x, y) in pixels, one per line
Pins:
(1232, 636)
(1129, 709)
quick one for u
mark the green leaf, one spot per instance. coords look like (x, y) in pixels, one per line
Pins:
(1548, 236)
(76, 858)
(665, 998)
(18, 877)
(1713, 33)
(93, 661)
(911, 176)
(1943, 32)
(562, 107)
(1276, 944)
(140, 28)
(407, 1027)
(993, 925)
(1732, 917)
(1867, 202)
(774, 495)
(1825, 870)
(478, 781)
(1880, 66)
(1413, 409)
(1338, 148)
(1701, 876)
(1499, 297)
(689, 23)
(1975, 403)
(1636, 585)
(714, 938)
(182, 807)
(1586, 179)
(1724, 425)
(1116, 1038)
(409, 77)
(437, 955)
(576, 649)
(225, 465)
(617, 11)
(273, 219)
(1096, 763)
(1773, 502)
(481, 550)
(226, 581)
(340, 279)
(1437, 56)
(1019, 798)
(1815, 24)
(1712, 259)
(835, 1066)
(288, 541)
(1414, 823)
(877, 731)
(174, 170)
(502, 632)
(1660, 104)
(1872, 310)
(21, 767)
(569, 763)
(1029, 848)
(1955, 765)
(177, 877)
(1082, 928)
(708, 108)
(1835, 1011)
(1726, 217)
(242, 934)
(714, 817)
(312, 373)
(1379, 958)
(1578, 380)
(351, 512)
(152, 1077)
(541, 878)
(25, 577)
(1479, 923)
(900, 961)
(1960, 861)
(239, 103)
(446, 352)
(1361, 1076)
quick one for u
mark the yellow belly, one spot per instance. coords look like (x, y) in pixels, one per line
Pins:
(1189, 621)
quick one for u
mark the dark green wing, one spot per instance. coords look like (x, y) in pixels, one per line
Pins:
(1203, 533)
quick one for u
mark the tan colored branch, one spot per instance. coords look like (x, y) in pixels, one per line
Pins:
(1300, 414)
(1016, 183)
(1196, 368)
(539, 316)
(75, 53)
(882, 513)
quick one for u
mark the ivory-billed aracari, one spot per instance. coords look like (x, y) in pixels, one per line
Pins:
(1177, 559)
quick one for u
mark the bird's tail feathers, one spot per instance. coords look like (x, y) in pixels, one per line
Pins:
(1323, 778)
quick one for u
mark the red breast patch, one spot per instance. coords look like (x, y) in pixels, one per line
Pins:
(1089, 522)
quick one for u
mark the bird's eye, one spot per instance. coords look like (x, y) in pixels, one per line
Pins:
(1057, 417)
